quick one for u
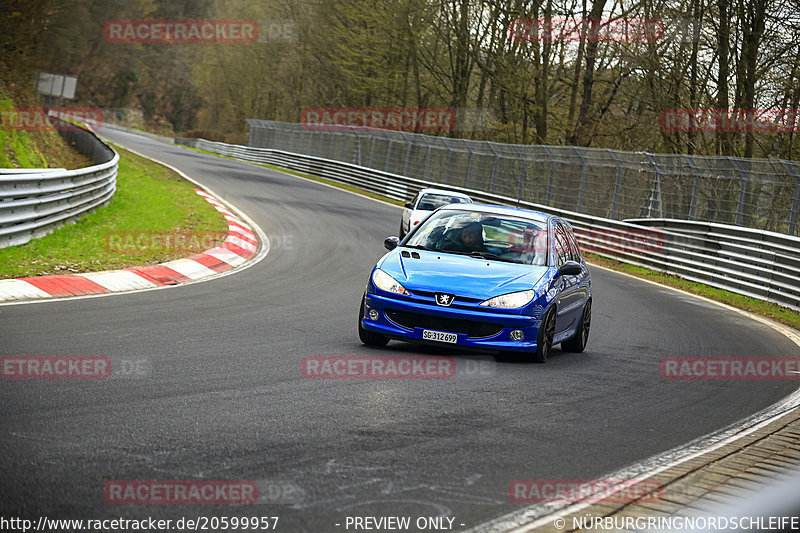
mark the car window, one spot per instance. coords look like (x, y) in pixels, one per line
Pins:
(561, 245)
(575, 250)
(499, 237)
(431, 201)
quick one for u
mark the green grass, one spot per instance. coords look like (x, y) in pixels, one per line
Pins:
(151, 200)
(759, 307)
(766, 309)
(17, 150)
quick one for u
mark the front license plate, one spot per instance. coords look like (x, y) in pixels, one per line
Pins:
(441, 336)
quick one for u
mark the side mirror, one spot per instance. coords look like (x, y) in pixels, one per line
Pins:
(391, 243)
(409, 205)
(571, 268)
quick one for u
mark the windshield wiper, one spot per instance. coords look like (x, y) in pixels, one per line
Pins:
(417, 247)
(482, 255)
(490, 255)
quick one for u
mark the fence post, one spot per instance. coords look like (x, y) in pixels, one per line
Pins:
(447, 162)
(617, 185)
(408, 153)
(427, 157)
(796, 201)
(469, 165)
(522, 171)
(371, 150)
(584, 171)
(388, 152)
(496, 165)
(655, 190)
(742, 194)
(357, 148)
(552, 175)
(696, 189)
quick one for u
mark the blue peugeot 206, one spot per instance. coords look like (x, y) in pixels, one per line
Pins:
(481, 277)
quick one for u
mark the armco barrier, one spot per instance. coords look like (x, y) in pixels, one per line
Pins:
(751, 262)
(33, 202)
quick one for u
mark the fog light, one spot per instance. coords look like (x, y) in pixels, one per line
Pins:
(373, 315)
(517, 335)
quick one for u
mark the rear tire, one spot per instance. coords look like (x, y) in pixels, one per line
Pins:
(370, 338)
(402, 233)
(544, 342)
(578, 342)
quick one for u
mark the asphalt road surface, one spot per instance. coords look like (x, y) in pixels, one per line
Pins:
(219, 395)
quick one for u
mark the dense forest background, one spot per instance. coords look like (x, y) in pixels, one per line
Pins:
(716, 54)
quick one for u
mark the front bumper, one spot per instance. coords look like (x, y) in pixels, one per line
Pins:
(484, 321)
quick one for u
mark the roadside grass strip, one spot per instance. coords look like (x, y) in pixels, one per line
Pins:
(240, 245)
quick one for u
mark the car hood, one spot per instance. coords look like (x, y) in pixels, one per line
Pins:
(465, 276)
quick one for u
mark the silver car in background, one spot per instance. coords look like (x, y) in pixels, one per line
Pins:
(426, 201)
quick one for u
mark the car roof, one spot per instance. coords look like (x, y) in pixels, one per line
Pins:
(537, 216)
(444, 191)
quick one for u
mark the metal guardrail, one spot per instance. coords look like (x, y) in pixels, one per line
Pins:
(616, 184)
(111, 126)
(757, 263)
(33, 202)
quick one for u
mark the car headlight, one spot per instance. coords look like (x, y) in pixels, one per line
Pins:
(387, 283)
(511, 300)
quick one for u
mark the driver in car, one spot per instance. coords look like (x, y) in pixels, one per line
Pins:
(470, 240)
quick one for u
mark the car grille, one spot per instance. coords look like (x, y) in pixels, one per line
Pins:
(471, 328)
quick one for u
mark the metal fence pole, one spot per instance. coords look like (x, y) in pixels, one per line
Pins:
(469, 165)
(447, 162)
(655, 190)
(427, 157)
(552, 175)
(388, 153)
(496, 165)
(617, 185)
(371, 151)
(584, 171)
(796, 200)
(522, 171)
(743, 192)
(696, 188)
(408, 153)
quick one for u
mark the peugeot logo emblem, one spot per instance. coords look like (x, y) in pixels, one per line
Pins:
(444, 299)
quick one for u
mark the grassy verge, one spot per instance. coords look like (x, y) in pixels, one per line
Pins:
(154, 216)
(37, 148)
(766, 309)
(759, 307)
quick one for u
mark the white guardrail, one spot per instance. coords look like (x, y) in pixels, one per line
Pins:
(33, 202)
(751, 262)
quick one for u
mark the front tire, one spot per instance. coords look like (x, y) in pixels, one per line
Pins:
(370, 338)
(544, 342)
(578, 342)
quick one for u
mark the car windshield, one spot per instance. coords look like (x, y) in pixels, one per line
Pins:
(485, 235)
(431, 201)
